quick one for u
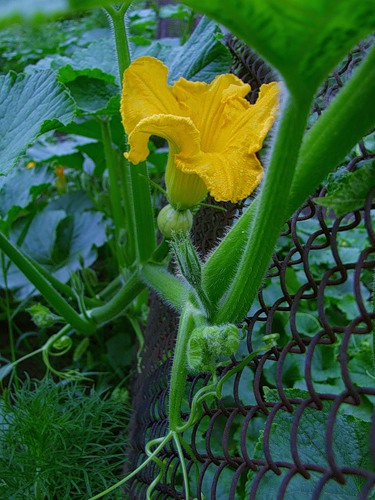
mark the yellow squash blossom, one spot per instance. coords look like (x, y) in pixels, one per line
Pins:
(212, 130)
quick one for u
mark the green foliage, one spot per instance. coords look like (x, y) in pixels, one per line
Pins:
(30, 105)
(41, 10)
(282, 33)
(59, 441)
(68, 206)
(21, 187)
(25, 44)
(349, 192)
(350, 443)
(201, 58)
(61, 237)
(42, 316)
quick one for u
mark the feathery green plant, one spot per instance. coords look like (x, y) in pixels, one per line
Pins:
(59, 440)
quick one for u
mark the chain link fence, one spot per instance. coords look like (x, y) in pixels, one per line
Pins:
(298, 420)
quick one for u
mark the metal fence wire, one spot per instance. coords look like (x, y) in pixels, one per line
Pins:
(298, 421)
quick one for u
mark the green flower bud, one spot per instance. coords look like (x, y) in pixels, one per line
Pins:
(172, 221)
(187, 259)
(207, 344)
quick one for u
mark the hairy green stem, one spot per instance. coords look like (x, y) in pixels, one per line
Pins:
(45, 288)
(347, 119)
(227, 255)
(187, 323)
(136, 185)
(170, 288)
(323, 147)
(270, 215)
(121, 39)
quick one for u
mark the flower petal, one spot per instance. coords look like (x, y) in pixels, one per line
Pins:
(205, 103)
(179, 131)
(249, 123)
(229, 176)
(232, 171)
(145, 92)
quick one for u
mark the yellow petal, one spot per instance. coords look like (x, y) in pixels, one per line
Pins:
(179, 131)
(212, 130)
(145, 92)
(251, 125)
(205, 103)
(229, 176)
(232, 171)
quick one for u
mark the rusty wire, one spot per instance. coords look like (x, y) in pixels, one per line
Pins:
(224, 441)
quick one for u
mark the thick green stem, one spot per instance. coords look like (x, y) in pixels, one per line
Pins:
(179, 367)
(45, 288)
(270, 215)
(119, 302)
(227, 255)
(347, 119)
(121, 39)
(114, 192)
(323, 147)
(143, 213)
(129, 207)
(136, 184)
(170, 288)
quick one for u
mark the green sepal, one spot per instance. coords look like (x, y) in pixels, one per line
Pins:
(187, 259)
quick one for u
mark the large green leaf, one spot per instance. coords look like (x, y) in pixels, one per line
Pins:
(62, 238)
(349, 192)
(303, 39)
(29, 105)
(97, 60)
(202, 57)
(21, 187)
(351, 447)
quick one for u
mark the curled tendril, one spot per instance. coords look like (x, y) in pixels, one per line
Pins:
(58, 345)
(61, 346)
(207, 344)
